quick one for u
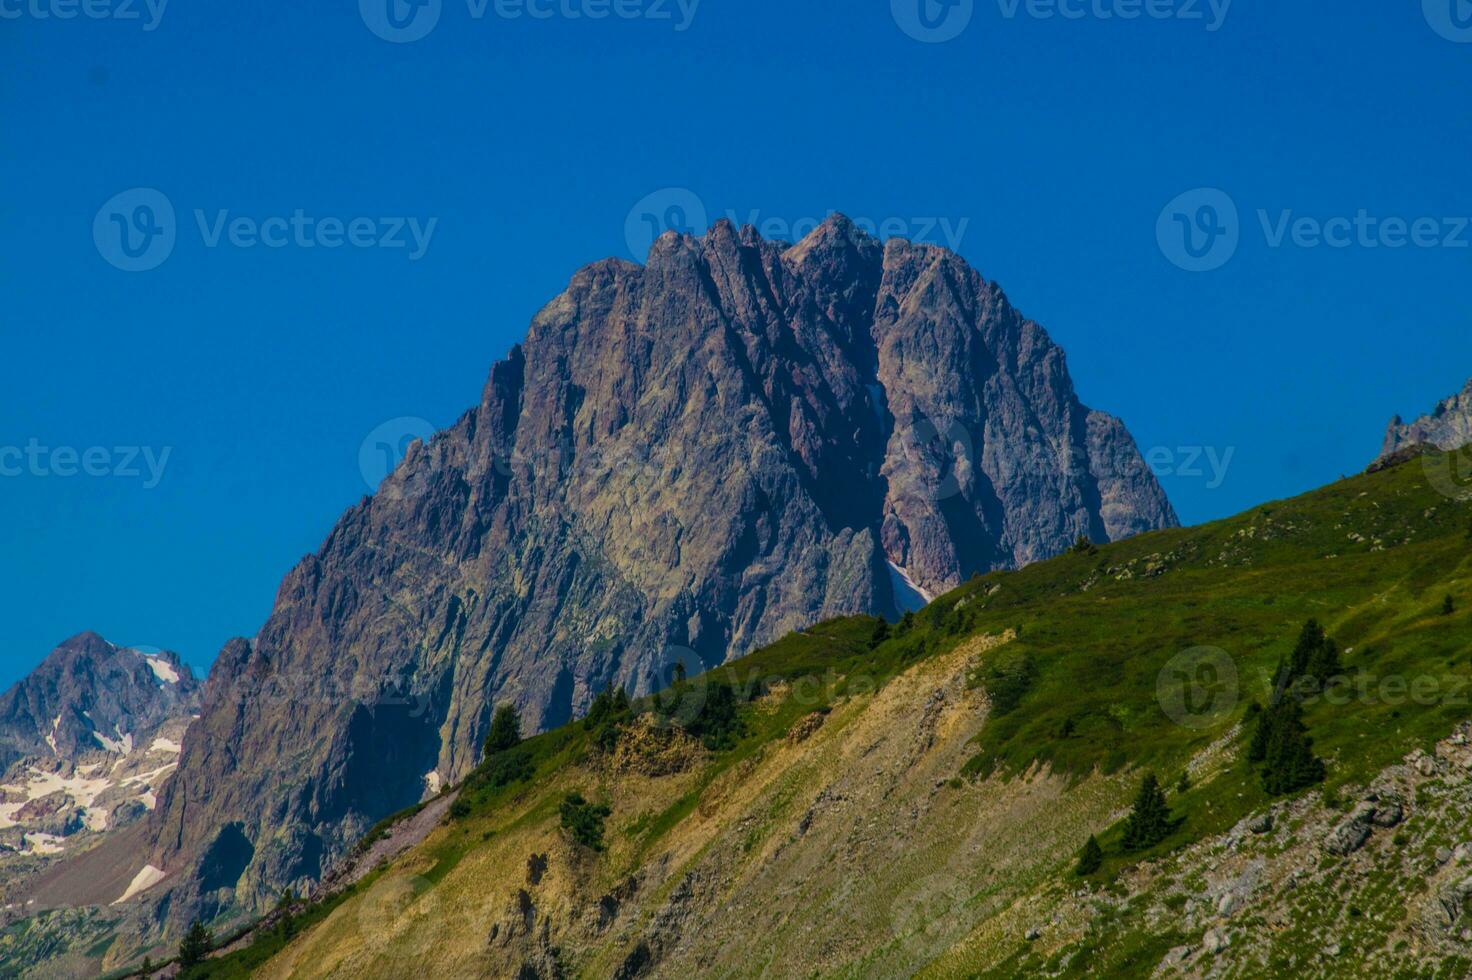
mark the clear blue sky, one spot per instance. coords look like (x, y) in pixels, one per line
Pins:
(1059, 142)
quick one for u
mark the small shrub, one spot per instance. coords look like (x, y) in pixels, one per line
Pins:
(605, 720)
(506, 768)
(584, 820)
(1008, 683)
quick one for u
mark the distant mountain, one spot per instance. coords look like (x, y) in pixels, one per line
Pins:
(86, 740)
(683, 461)
(89, 695)
(1448, 426)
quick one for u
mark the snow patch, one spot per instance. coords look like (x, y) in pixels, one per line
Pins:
(161, 669)
(908, 596)
(141, 882)
(123, 744)
(42, 844)
(161, 744)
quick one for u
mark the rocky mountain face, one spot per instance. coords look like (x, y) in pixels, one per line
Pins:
(1448, 426)
(682, 461)
(85, 740)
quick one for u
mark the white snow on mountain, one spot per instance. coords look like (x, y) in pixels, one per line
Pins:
(162, 670)
(908, 596)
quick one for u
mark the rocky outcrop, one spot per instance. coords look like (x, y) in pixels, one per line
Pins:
(1447, 427)
(683, 460)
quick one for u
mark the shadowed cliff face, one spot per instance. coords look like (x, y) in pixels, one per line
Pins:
(682, 461)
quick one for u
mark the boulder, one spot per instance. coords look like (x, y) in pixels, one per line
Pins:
(1388, 814)
(1352, 832)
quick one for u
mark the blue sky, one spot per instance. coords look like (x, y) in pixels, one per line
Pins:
(1048, 147)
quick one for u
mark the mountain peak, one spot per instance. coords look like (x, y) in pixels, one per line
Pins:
(683, 461)
(1447, 426)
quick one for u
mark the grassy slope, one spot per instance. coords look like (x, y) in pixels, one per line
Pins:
(1371, 557)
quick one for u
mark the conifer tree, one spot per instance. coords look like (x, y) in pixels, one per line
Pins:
(1090, 858)
(195, 946)
(505, 730)
(1149, 822)
(1310, 642)
(1289, 763)
(1449, 606)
